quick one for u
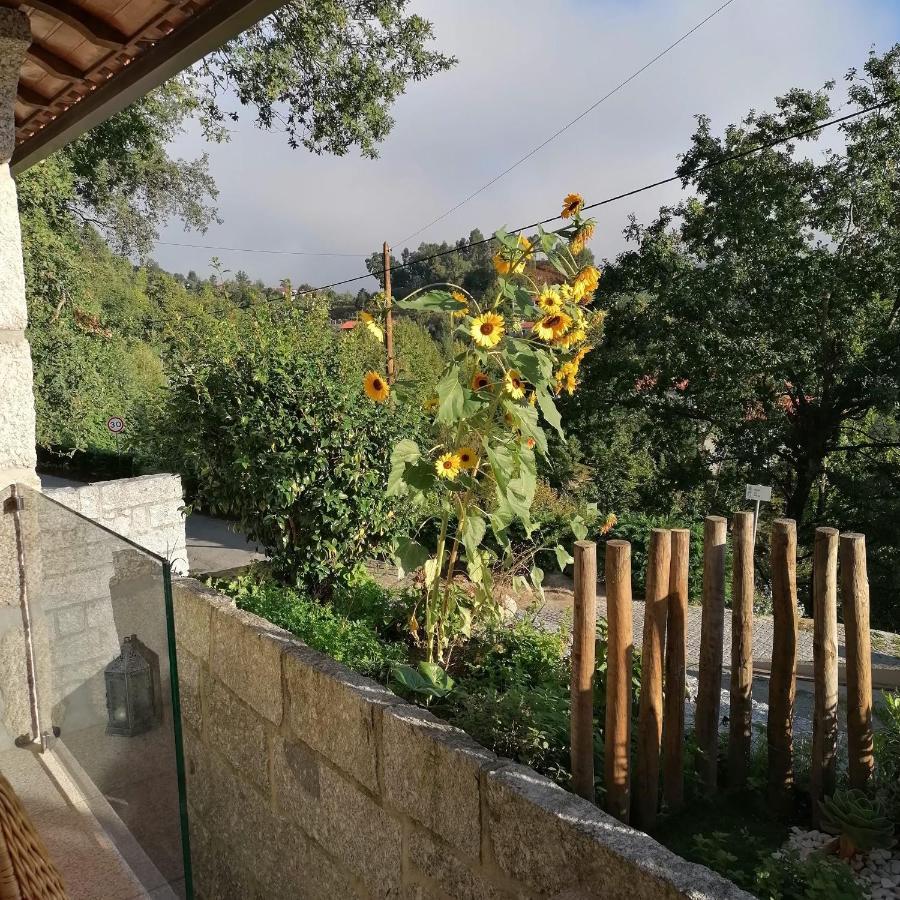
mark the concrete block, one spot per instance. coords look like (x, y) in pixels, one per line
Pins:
(556, 842)
(245, 654)
(431, 773)
(339, 815)
(194, 604)
(189, 688)
(456, 877)
(17, 422)
(70, 620)
(238, 733)
(334, 710)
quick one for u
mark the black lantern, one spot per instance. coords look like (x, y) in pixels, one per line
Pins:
(131, 702)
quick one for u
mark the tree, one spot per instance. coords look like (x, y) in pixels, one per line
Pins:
(765, 308)
(325, 73)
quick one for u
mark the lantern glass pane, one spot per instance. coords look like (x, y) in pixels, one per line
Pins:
(104, 661)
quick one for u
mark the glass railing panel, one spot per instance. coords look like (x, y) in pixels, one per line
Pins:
(103, 654)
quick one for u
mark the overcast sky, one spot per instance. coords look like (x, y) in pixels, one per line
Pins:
(522, 73)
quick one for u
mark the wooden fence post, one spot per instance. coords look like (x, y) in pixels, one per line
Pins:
(650, 711)
(620, 648)
(855, 603)
(741, 712)
(712, 630)
(825, 667)
(673, 719)
(782, 679)
(584, 640)
(388, 316)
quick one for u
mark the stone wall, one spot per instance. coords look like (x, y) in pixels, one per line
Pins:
(306, 780)
(146, 510)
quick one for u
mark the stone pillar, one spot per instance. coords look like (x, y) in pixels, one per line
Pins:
(17, 455)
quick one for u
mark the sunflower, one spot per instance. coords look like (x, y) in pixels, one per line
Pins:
(480, 381)
(588, 279)
(467, 458)
(368, 320)
(566, 377)
(448, 466)
(487, 329)
(570, 339)
(549, 300)
(376, 387)
(581, 237)
(501, 265)
(460, 297)
(552, 326)
(514, 384)
(526, 246)
(532, 399)
(571, 205)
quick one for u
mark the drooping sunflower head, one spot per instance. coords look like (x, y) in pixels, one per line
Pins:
(570, 338)
(587, 280)
(487, 329)
(571, 205)
(467, 458)
(460, 297)
(549, 300)
(501, 264)
(365, 317)
(480, 381)
(526, 246)
(514, 384)
(552, 326)
(376, 387)
(448, 466)
(581, 237)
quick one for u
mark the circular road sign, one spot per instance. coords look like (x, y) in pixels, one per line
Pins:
(116, 424)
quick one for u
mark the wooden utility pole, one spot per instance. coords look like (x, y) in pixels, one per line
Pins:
(825, 668)
(782, 681)
(741, 712)
(650, 710)
(712, 636)
(584, 641)
(388, 315)
(855, 603)
(617, 755)
(673, 720)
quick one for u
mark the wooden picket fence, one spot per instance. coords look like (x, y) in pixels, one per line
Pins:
(632, 789)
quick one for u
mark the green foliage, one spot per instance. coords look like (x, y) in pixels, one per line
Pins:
(887, 756)
(325, 73)
(262, 418)
(636, 529)
(317, 624)
(788, 877)
(859, 820)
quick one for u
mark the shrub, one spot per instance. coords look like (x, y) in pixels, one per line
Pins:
(788, 877)
(264, 420)
(317, 624)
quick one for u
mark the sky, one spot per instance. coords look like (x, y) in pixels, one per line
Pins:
(526, 67)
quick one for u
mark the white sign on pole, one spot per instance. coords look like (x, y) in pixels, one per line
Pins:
(759, 492)
(116, 424)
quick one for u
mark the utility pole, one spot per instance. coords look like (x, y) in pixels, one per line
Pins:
(389, 315)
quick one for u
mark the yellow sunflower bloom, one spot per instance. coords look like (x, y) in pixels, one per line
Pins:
(532, 399)
(549, 300)
(448, 466)
(588, 279)
(571, 205)
(565, 341)
(526, 246)
(581, 237)
(553, 326)
(487, 329)
(514, 384)
(460, 297)
(467, 458)
(501, 265)
(376, 387)
(480, 382)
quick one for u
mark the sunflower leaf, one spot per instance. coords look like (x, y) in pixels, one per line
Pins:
(451, 397)
(437, 300)
(549, 410)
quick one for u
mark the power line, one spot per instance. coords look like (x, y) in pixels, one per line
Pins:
(259, 250)
(733, 157)
(568, 125)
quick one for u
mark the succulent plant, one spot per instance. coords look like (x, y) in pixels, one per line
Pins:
(859, 822)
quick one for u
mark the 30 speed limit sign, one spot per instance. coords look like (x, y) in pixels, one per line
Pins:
(116, 424)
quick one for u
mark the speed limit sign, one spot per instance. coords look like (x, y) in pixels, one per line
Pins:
(116, 424)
